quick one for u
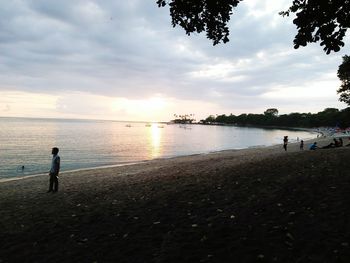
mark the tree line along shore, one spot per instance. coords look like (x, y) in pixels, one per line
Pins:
(330, 117)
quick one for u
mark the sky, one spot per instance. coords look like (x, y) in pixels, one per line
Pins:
(123, 60)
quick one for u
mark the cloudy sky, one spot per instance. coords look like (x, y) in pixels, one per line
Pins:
(122, 60)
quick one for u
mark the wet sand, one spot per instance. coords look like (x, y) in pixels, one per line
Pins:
(253, 205)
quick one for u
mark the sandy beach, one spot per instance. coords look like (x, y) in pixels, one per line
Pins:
(252, 205)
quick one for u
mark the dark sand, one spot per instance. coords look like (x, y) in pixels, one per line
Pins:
(255, 205)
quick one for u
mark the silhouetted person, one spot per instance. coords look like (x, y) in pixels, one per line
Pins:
(54, 171)
(331, 145)
(301, 145)
(285, 142)
(336, 142)
(341, 143)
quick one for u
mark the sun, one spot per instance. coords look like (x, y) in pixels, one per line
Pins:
(149, 109)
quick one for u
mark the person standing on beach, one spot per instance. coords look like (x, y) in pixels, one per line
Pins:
(54, 171)
(301, 145)
(285, 142)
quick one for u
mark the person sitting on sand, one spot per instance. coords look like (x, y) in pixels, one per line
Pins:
(54, 171)
(285, 142)
(336, 143)
(313, 146)
(301, 145)
(331, 145)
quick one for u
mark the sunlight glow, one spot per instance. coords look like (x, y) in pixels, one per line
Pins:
(24, 104)
(155, 138)
(149, 109)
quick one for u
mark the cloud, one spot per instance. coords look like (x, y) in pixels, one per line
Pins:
(128, 49)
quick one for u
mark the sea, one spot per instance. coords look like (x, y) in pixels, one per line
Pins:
(26, 143)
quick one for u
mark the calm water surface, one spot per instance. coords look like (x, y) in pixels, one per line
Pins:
(85, 143)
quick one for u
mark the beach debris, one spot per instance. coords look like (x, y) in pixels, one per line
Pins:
(289, 235)
(279, 204)
(78, 205)
(204, 238)
(74, 215)
(83, 240)
(72, 235)
(292, 213)
(345, 244)
(219, 210)
(232, 217)
(194, 225)
(288, 244)
(125, 235)
(261, 256)
(156, 223)
(135, 217)
(190, 203)
(210, 256)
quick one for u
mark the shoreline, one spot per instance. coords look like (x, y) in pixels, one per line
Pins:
(14, 178)
(10, 172)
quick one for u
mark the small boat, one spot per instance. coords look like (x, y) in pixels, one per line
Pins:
(128, 125)
(148, 125)
(160, 126)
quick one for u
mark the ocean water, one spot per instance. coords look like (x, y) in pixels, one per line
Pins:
(88, 143)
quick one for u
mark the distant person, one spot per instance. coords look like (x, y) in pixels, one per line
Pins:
(336, 142)
(331, 145)
(54, 171)
(341, 143)
(285, 142)
(301, 145)
(313, 146)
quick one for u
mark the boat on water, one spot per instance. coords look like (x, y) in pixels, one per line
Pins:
(148, 125)
(128, 125)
